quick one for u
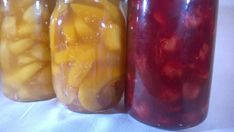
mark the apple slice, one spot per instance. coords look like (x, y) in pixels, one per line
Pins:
(26, 29)
(44, 77)
(20, 46)
(41, 52)
(34, 12)
(23, 3)
(6, 57)
(24, 74)
(9, 26)
(25, 59)
(24, 93)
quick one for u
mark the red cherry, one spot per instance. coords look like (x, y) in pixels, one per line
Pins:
(160, 18)
(172, 70)
(169, 95)
(162, 120)
(141, 109)
(203, 52)
(191, 90)
(169, 45)
(193, 18)
(191, 117)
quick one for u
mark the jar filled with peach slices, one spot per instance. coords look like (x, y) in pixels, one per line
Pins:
(1, 2)
(25, 54)
(88, 51)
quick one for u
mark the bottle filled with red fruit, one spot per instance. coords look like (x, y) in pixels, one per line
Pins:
(170, 58)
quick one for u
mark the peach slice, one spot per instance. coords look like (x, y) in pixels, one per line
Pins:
(79, 54)
(78, 72)
(112, 9)
(69, 30)
(92, 86)
(82, 28)
(64, 93)
(53, 25)
(55, 69)
(112, 36)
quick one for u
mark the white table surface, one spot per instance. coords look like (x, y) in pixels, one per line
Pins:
(51, 116)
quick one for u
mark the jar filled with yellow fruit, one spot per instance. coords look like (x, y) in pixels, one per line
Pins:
(88, 54)
(25, 53)
(0, 32)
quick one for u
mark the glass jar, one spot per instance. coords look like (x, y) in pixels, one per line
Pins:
(88, 51)
(170, 58)
(1, 10)
(25, 54)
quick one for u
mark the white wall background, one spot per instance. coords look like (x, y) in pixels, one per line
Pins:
(226, 3)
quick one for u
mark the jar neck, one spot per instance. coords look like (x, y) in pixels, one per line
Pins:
(64, 1)
(69, 1)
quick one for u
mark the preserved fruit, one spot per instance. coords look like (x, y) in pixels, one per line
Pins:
(88, 54)
(170, 58)
(25, 53)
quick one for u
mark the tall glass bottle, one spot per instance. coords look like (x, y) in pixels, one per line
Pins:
(25, 54)
(88, 51)
(170, 58)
